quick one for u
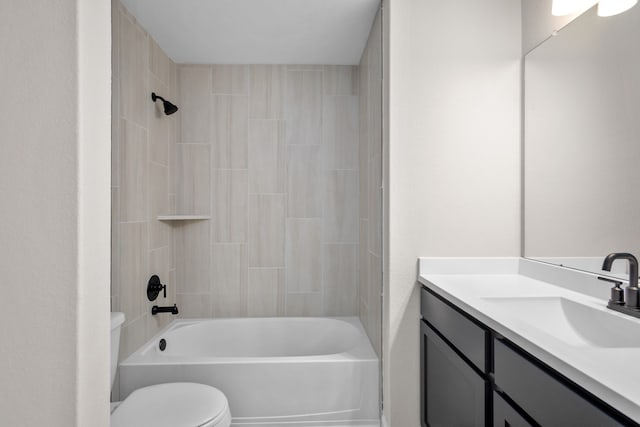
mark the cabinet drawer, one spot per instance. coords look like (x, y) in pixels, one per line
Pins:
(505, 416)
(453, 393)
(463, 333)
(547, 400)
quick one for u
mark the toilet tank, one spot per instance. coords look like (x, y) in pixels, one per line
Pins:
(117, 319)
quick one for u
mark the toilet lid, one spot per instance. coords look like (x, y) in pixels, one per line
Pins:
(171, 405)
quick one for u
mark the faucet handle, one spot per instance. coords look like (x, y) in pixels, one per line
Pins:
(154, 287)
(617, 295)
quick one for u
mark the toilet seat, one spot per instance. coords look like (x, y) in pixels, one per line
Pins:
(173, 405)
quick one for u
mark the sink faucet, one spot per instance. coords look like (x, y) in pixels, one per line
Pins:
(631, 292)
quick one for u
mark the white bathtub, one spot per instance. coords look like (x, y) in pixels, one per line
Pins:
(273, 370)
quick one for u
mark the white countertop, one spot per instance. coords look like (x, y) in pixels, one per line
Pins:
(612, 374)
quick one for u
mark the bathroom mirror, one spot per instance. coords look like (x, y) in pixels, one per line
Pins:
(582, 143)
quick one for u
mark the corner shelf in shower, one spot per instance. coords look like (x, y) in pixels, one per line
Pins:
(183, 217)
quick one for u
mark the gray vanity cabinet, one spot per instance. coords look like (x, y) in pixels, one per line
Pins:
(470, 376)
(454, 393)
(453, 367)
(544, 398)
(505, 416)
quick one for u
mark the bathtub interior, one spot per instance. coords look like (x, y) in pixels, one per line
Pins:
(268, 337)
(264, 387)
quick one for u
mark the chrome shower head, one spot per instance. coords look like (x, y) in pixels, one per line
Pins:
(169, 108)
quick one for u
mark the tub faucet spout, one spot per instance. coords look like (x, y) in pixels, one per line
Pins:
(173, 310)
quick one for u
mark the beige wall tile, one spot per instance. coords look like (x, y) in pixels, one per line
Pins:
(266, 86)
(363, 185)
(370, 137)
(340, 280)
(363, 140)
(158, 126)
(229, 206)
(374, 303)
(266, 230)
(159, 62)
(195, 90)
(229, 280)
(243, 172)
(303, 247)
(266, 156)
(341, 207)
(304, 181)
(303, 107)
(340, 80)
(172, 248)
(304, 304)
(363, 314)
(134, 59)
(363, 261)
(173, 82)
(375, 116)
(133, 266)
(115, 240)
(133, 172)
(158, 205)
(172, 286)
(132, 336)
(140, 158)
(375, 151)
(375, 208)
(266, 292)
(230, 79)
(229, 128)
(173, 179)
(157, 322)
(115, 131)
(340, 135)
(192, 257)
(193, 182)
(363, 78)
(194, 306)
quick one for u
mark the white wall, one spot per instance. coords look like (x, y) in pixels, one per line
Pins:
(453, 159)
(54, 219)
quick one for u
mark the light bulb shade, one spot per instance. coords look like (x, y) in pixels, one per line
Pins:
(567, 7)
(614, 7)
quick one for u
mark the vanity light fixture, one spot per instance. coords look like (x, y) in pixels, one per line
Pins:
(567, 7)
(614, 7)
(605, 7)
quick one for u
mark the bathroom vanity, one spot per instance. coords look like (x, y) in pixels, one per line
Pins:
(516, 342)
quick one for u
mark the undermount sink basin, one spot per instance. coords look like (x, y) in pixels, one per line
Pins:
(574, 323)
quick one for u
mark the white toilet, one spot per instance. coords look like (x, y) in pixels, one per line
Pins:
(167, 405)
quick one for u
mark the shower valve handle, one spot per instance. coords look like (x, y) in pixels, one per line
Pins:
(154, 287)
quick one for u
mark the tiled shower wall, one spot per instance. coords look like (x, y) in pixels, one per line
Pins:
(284, 158)
(370, 164)
(141, 174)
(271, 152)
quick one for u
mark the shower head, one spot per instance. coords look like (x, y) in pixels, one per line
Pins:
(169, 108)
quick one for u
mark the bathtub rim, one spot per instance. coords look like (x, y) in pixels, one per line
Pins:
(362, 350)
